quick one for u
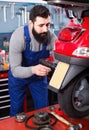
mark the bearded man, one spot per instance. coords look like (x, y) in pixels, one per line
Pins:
(28, 44)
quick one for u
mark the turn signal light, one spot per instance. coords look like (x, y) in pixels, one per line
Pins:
(82, 51)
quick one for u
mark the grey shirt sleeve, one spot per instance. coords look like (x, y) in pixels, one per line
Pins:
(15, 55)
(17, 46)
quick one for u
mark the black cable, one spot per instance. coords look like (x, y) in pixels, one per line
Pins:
(26, 123)
(35, 128)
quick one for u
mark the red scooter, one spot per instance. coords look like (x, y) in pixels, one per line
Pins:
(70, 79)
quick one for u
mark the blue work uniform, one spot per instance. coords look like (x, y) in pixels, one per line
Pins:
(38, 86)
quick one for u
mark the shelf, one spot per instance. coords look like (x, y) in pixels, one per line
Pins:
(4, 117)
(5, 101)
(3, 85)
(4, 96)
(4, 90)
(4, 79)
(8, 106)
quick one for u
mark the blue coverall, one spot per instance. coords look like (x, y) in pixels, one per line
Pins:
(38, 86)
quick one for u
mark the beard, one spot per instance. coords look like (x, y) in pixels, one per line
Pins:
(40, 37)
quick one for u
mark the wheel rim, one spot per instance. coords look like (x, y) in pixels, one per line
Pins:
(80, 96)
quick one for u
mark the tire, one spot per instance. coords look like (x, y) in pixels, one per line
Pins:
(74, 99)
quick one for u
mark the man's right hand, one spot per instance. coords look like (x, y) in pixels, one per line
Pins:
(40, 70)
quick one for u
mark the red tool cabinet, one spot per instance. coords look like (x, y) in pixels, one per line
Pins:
(4, 95)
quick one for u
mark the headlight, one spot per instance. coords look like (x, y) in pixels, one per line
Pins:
(82, 51)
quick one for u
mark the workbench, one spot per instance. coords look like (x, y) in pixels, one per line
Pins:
(11, 124)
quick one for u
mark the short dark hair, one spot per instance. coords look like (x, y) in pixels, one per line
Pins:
(39, 10)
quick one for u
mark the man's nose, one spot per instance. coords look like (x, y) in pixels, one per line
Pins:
(45, 28)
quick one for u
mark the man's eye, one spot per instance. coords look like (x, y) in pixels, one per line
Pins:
(41, 25)
(48, 25)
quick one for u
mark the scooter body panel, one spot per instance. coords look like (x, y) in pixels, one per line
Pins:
(64, 51)
(66, 45)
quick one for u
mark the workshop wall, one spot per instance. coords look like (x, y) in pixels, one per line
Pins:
(12, 16)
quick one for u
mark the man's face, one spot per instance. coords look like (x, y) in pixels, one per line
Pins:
(40, 29)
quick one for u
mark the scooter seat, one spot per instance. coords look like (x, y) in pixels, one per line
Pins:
(67, 3)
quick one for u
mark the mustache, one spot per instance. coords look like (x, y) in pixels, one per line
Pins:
(40, 37)
(43, 34)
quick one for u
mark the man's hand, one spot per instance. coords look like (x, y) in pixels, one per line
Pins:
(40, 70)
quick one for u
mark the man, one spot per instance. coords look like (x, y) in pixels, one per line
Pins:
(27, 45)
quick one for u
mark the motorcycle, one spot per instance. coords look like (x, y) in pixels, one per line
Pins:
(70, 78)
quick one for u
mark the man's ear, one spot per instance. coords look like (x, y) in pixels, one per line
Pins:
(30, 22)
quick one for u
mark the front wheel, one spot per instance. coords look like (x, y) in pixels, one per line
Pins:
(74, 99)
